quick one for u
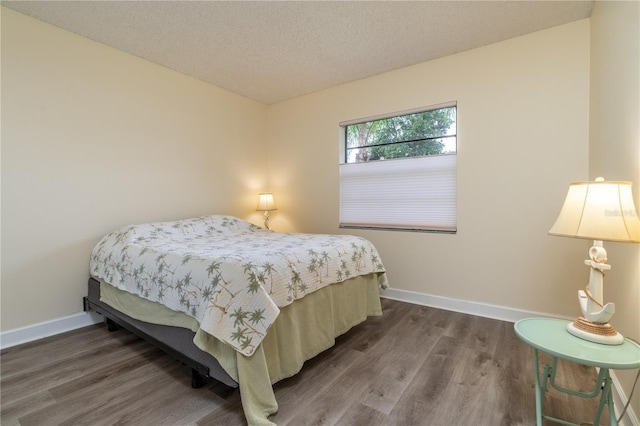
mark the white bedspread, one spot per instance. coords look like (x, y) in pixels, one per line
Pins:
(230, 275)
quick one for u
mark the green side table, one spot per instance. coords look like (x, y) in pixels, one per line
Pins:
(551, 336)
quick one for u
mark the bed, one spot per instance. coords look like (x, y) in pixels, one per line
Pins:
(235, 302)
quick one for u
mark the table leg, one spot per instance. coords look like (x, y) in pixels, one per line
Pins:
(612, 412)
(538, 388)
(605, 398)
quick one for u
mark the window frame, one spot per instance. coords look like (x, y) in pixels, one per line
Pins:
(431, 224)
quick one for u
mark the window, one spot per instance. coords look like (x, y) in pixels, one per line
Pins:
(399, 171)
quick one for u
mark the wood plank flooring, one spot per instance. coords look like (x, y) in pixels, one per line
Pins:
(413, 366)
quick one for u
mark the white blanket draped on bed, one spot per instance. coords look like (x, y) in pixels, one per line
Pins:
(230, 275)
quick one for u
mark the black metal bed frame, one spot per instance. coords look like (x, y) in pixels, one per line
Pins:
(175, 341)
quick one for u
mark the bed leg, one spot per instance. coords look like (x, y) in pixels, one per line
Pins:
(111, 326)
(197, 379)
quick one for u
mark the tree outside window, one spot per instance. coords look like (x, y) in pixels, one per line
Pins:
(413, 135)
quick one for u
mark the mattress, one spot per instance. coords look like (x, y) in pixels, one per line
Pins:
(230, 275)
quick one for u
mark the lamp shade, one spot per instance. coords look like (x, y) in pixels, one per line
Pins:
(266, 203)
(599, 210)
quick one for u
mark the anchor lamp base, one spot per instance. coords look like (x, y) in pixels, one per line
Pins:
(587, 330)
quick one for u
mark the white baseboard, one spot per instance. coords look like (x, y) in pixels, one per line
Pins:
(41, 330)
(50, 328)
(464, 306)
(504, 314)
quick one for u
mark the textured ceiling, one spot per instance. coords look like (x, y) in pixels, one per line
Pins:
(275, 50)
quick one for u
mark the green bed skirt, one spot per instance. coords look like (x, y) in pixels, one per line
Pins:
(301, 331)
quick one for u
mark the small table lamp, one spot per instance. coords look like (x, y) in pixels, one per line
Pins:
(266, 204)
(597, 211)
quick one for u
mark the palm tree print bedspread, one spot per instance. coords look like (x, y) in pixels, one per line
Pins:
(230, 275)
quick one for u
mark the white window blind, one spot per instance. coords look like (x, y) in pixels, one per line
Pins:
(416, 193)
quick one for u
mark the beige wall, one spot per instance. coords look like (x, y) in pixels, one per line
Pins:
(614, 148)
(93, 139)
(522, 138)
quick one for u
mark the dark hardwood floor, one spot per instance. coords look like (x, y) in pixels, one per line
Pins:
(413, 366)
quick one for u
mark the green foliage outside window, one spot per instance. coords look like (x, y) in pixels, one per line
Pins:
(412, 135)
